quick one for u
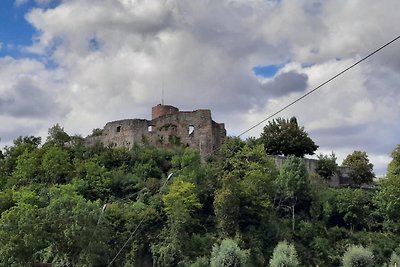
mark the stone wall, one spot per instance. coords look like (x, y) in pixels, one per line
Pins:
(341, 178)
(168, 128)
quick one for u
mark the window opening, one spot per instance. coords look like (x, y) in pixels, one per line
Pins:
(118, 129)
(191, 129)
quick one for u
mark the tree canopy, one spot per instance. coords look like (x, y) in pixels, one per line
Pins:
(71, 205)
(286, 137)
(361, 170)
(285, 254)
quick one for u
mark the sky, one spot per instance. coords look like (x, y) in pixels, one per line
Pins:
(82, 63)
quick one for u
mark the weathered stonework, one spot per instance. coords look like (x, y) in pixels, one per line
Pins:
(169, 127)
(340, 178)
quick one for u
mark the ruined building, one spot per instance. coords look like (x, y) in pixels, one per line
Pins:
(168, 127)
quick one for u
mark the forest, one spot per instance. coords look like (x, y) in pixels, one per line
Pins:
(66, 204)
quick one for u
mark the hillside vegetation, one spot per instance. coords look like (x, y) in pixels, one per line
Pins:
(70, 205)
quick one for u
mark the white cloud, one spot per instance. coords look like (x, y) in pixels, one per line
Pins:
(112, 57)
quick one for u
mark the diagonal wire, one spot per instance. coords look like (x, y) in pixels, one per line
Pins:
(324, 83)
(140, 222)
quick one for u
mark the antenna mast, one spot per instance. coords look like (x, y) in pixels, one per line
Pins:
(162, 99)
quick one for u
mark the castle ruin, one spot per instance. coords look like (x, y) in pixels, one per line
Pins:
(169, 127)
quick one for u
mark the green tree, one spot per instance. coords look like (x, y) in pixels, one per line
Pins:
(21, 145)
(93, 180)
(27, 169)
(180, 201)
(361, 170)
(284, 255)
(354, 206)
(22, 233)
(35, 141)
(326, 166)
(394, 166)
(75, 238)
(57, 136)
(387, 197)
(56, 165)
(286, 137)
(358, 256)
(228, 254)
(255, 173)
(292, 185)
(179, 204)
(226, 207)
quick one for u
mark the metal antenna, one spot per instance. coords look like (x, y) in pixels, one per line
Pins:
(162, 99)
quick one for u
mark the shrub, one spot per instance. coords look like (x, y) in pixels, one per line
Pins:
(228, 254)
(358, 256)
(284, 255)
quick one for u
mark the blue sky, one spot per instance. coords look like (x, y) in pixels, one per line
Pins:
(82, 63)
(15, 31)
(266, 71)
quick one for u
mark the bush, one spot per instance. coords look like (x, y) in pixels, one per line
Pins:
(228, 254)
(358, 256)
(284, 255)
(327, 166)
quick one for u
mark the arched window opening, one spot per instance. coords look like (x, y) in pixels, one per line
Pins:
(191, 129)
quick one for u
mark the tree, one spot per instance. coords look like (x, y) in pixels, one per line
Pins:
(394, 165)
(228, 254)
(361, 170)
(31, 140)
(94, 182)
(181, 201)
(284, 255)
(226, 207)
(285, 137)
(27, 169)
(57, 136)
(353, 205)
(76, 238)
(56, 165)
(21, 231)
(387, 197)
(21, 145)
(326, 166)
(358, 256)
(179, 204)
(292, 185)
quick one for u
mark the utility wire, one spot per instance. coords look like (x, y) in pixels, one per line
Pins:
(319, 86)
(126, 242)
(140, 222)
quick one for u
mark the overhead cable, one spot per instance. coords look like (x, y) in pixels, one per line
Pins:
(322, 84)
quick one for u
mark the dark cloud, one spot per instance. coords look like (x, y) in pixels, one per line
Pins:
(286, 83)
(375, 139)
(27, 100)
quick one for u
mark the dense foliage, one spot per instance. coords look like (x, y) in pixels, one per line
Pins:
(327, 166)
(286, 137)
(71, 205)
(361, 170)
